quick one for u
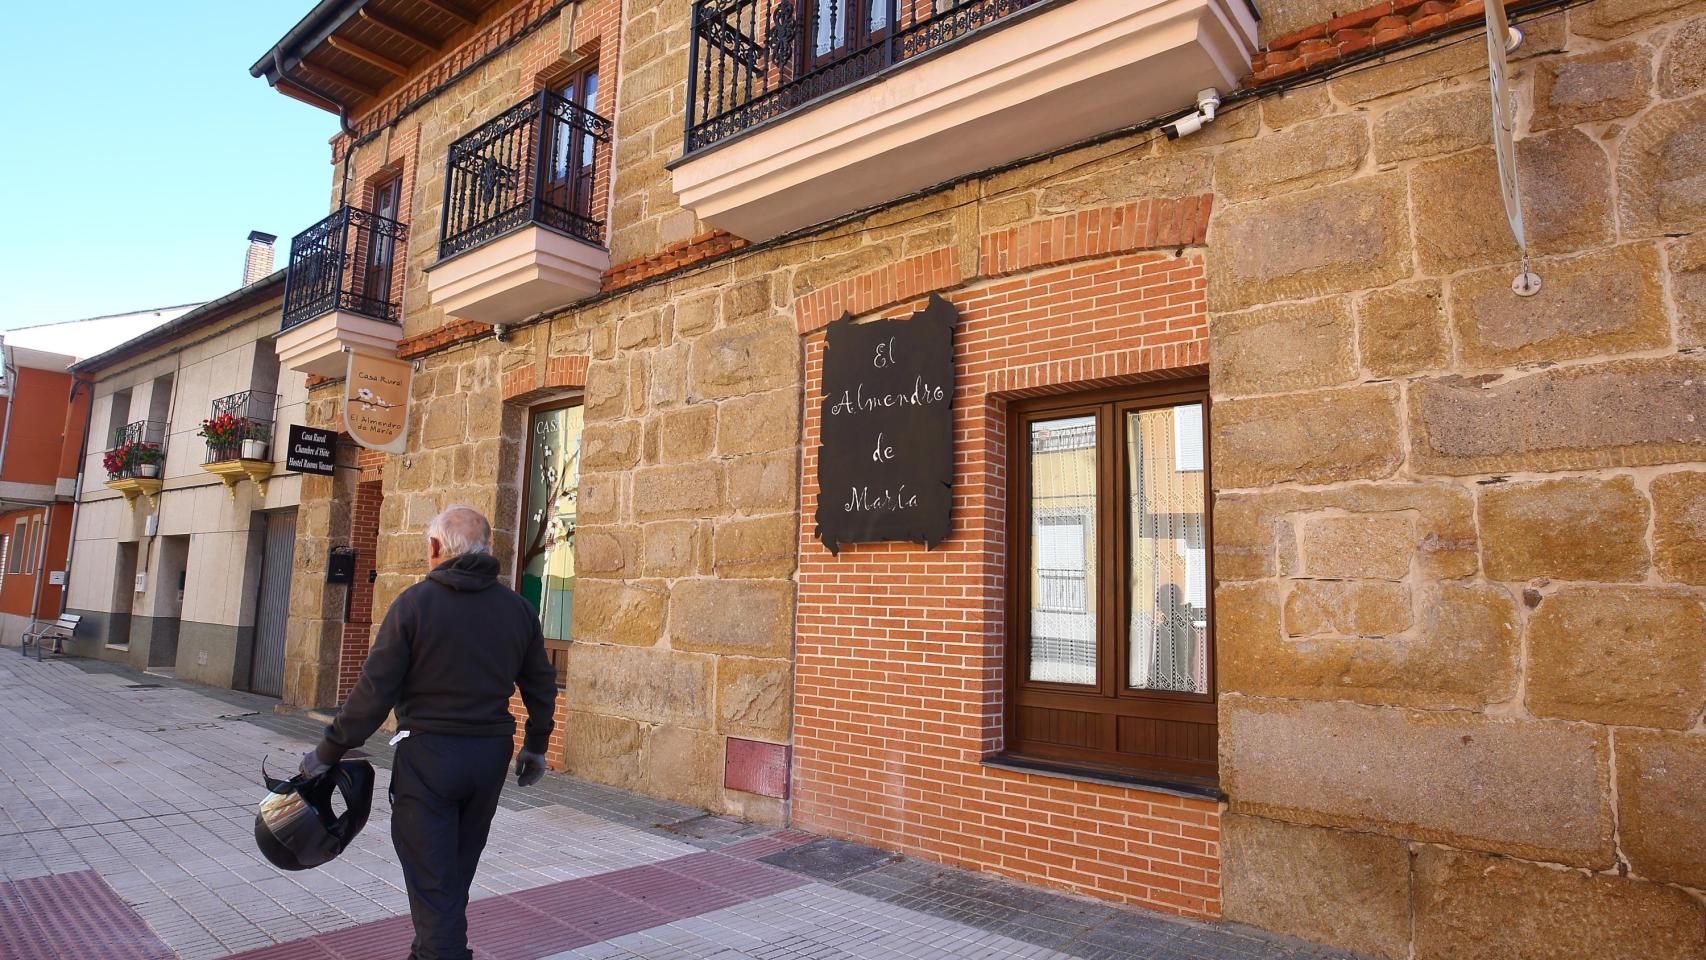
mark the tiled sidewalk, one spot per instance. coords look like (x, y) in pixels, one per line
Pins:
(126, 812)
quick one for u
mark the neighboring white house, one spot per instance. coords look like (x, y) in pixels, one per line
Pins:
(181, 561)
(93, 335)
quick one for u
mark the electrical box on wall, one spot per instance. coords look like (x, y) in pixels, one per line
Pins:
(151, 526)
(141, 582)
(340, 565)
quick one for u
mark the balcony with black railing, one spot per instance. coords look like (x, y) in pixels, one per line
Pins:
(343, 288)
(136, 460)
(802, 110)
(523, 221)
(538, 162)
(346, 262)
(138, 450)
(754, 60)
(238, 433)
(239, 427)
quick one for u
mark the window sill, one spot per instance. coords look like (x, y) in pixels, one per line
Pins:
(1152, 782)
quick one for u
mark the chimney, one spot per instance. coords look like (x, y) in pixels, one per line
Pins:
(257, 263)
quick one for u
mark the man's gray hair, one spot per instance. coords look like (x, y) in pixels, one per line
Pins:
(460, 529)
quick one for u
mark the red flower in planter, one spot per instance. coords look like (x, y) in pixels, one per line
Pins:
(120, 460)
(222, 432)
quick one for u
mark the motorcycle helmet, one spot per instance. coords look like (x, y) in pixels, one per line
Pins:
(296, 826)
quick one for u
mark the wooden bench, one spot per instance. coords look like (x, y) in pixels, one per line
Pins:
(42, 632)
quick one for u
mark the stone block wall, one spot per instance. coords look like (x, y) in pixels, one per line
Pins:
(684, 602)
(1460, 587)
(1459, 613)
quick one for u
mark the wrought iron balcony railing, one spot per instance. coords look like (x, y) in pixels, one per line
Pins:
(351, 261)
(240, 427)
(542, 161)
(138, 450)
(753, 60)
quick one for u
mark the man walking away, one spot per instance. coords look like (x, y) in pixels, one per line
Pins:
(450, 652)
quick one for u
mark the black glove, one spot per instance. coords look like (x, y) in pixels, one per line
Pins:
(313, 766)
(529, 768)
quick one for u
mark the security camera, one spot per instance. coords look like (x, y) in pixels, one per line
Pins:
(1208, 101)
(1184, 126)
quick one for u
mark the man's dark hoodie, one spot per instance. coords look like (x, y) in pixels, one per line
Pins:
(451, 650)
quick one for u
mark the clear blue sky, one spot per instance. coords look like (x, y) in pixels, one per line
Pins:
(138, 153)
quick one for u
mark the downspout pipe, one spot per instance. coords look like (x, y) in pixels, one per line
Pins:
(41, 567)
(343, 120)
(11, 401)
(77, 490)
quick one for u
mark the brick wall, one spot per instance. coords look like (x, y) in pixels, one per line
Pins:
(364, 537)
(899, 656)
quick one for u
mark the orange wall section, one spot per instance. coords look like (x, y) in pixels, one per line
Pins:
(36, 440)
(18, 590)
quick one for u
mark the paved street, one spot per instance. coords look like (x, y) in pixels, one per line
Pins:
(126, 812)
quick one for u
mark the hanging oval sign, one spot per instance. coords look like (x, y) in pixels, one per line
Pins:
(376, 401)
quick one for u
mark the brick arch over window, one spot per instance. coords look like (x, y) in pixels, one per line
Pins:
(534, 383)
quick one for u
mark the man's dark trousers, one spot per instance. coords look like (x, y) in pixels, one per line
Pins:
(444, 790)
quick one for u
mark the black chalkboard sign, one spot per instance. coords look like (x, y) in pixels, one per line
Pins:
(885, 468)
(310, 451)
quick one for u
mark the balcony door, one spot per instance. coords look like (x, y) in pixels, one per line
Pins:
(381, 247)
(842, 27)
(569, 181)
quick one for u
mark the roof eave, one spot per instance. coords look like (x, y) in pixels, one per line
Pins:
(208, 312)
(309, 32)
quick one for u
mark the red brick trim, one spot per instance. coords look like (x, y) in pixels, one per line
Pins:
(520, 382)
(1172, 361)
(316, 381)
(523, 386)
(456, 331)
(673, 257)
(879, 288)
(565, 372)
(370, 463)
(1147, 224)
(1322, 45)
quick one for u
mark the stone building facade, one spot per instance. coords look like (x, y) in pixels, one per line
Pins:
(1458, 675)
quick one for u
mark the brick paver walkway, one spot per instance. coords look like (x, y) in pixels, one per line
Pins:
(126, 819)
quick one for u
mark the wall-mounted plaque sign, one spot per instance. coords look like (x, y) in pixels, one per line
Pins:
(310, 451)
(376, 401)
(885, 467)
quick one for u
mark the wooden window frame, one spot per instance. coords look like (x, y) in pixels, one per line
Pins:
(859, 35)
(1109, 699)
(580, 171)
(388, 179)
(558, 644)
